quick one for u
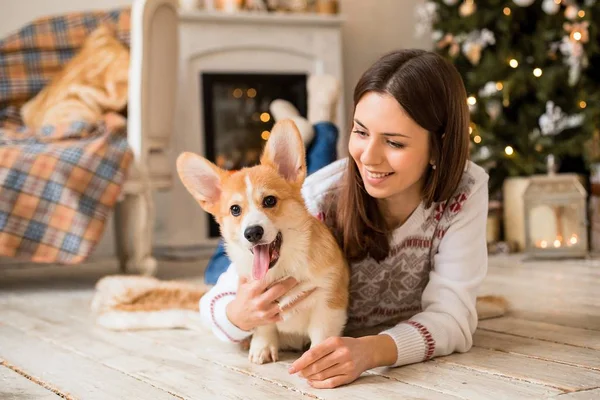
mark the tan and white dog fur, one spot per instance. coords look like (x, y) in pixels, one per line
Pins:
(260, 208)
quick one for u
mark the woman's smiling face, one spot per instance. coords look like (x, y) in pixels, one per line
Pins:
(390, 149)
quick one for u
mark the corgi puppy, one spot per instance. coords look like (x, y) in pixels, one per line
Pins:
(269, 234)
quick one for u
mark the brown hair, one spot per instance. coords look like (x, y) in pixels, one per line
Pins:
(432, 92)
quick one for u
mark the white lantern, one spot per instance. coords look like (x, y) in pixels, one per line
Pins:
(555, 217)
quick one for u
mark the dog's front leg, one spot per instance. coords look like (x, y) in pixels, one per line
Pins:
(326, 322)
(264, 346)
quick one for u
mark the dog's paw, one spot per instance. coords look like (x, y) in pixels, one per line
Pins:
(262, 354)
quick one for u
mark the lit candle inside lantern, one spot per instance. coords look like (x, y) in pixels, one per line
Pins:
(573, 239)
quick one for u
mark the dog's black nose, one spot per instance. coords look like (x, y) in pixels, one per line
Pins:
(254, 233)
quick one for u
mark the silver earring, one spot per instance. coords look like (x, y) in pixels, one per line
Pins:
(433, 166)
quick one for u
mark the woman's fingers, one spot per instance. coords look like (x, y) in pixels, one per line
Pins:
(272, 311)
(329, 372)
(319, 366)
(262, 299)
(331, 383)
(313, 355)
(277, 290)
(256, 288)
(275, 319)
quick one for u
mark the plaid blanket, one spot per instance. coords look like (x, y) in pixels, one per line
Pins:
(58, 185)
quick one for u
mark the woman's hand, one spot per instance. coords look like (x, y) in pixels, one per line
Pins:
(341, 360)
(255, 303)
(335, 362)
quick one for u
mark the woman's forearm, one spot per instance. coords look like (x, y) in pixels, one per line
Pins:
(381, 349)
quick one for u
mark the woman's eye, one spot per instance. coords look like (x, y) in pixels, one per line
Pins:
(235, 210)
(269, 201)
(360, 133)
(396, 145)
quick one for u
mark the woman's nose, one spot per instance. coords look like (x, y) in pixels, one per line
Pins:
(371, 154)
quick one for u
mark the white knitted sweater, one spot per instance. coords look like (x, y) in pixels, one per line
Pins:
(423, 294)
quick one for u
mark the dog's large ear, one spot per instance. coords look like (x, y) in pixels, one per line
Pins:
(202, 179)
(285, 152)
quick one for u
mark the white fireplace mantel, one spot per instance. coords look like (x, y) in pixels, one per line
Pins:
(238, 43)
(262, 18)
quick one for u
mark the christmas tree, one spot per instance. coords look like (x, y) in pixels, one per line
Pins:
(532, 73)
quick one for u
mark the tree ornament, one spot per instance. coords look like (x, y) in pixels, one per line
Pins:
(489, 89)
(451, 42)
(550, 7)
(475, 42)
(493, 108)
(554, 120)
(467, 8)
(523, 3)
(571, 13)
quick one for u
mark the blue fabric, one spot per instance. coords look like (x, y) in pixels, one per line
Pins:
(218, 263)
(322, 151)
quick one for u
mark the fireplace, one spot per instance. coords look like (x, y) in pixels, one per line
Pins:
(237, 120)
(273, 54)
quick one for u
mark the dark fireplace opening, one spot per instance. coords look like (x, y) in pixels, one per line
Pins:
(237, 120)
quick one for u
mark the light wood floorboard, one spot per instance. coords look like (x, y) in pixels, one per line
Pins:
(14, 386)
(547, 346)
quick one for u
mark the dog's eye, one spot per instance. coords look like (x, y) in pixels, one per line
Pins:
(269, 201)
(235, 210)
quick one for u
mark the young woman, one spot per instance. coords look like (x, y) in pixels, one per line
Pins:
(409, 211)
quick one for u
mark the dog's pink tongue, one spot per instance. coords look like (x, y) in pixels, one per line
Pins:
(261, 261)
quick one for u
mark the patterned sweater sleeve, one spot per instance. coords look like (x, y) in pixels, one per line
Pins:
(214, 303)
(449, 318)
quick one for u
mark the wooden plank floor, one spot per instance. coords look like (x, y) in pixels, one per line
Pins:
(547, 346)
